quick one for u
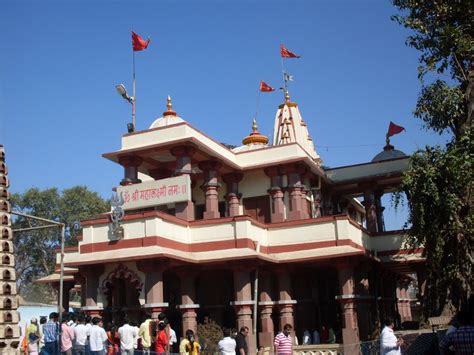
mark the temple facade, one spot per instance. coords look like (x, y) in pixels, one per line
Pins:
(9, 317)
(259, 235)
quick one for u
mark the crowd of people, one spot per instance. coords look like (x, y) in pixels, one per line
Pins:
(84, 335)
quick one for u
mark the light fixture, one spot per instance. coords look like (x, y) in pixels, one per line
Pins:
(123, 92)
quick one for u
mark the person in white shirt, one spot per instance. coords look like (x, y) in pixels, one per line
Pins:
(389, 343)
(97, 337)
(227, 345)
(127, 335)
(81, 332)
(173, 339)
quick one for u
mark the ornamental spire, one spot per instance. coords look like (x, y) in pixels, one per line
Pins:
(255, 137)
(169, 108)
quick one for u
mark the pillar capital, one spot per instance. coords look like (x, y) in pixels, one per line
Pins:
(160, 173)
(130, 161)
(210, 165)
(183, 151)
(232, 177)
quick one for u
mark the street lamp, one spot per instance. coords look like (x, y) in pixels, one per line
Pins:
(122, 91)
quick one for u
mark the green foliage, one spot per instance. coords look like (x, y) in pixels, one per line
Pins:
(441, 219)
(439, 182)
(35, 249)
(442, 108)
(442, 32)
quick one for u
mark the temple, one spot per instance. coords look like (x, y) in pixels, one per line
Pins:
(259, 233)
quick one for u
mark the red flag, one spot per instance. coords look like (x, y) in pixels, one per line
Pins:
(394, 129)
(285, 53)
(139, 43)
(264, 87)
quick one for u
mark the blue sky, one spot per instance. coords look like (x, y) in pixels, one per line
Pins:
(61, 60)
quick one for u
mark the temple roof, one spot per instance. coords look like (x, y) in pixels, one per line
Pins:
(389, 152)
(291, 128)
(169, 116)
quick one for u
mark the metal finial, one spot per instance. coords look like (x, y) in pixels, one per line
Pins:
(254, 126)
(287, 96)
(169, 105)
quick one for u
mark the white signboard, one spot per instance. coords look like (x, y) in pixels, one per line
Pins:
(155, 193)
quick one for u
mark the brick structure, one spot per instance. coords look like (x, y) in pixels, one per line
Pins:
(9, 317)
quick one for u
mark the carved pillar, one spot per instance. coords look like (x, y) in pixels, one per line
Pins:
(304, 202)
(233, 196)
(188, 304)
(276, 193)
(370, 210)
(244, 304)
(130, 164)
(266, 308)
(379, 211)
(67, 287)
(210, 187)
(154, 300)
(183, 154)
(295, 188)
(91, 275)
(350, 330)
(364, 317)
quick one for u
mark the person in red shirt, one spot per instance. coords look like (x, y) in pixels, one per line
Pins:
(162, 342)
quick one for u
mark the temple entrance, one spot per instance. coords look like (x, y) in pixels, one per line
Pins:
(121, 289)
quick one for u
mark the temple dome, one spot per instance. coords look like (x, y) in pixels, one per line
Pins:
(254, 140)
(169, 117)
(389, 152)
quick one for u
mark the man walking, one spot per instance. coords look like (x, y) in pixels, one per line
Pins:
(462, 339)
(127, 335)
(283, 343)
(241, 341)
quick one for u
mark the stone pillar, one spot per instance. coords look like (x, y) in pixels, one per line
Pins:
(285, 302)
(276, 193)
(210, 187)
(244, 304)
(81, 280)
(67, 287)
(233, 196)
(130, 164)
(304, 202)
(317, 197)
(154, 299)
(403, 301)
(188, 304)
(265, 304)
(295, 188)
(364, 317)
(183, 154)
(370, 210)
(91, 275)
(379, 211)
(350, 330)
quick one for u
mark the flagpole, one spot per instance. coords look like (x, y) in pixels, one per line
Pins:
(285, 84)
(134, 92)
(258, 102)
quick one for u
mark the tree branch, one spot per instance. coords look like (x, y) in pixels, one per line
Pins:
(460, 66)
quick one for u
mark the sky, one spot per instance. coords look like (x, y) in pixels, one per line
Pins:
(60, 62)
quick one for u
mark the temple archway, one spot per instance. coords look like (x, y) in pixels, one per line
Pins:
(121, 289)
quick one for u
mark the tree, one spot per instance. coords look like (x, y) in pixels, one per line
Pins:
(439, 182)
(35, 249)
